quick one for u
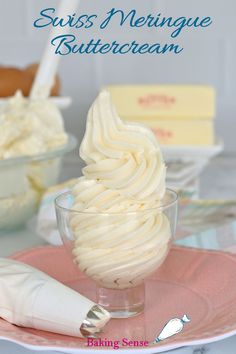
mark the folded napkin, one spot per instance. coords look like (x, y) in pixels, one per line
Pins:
(46, 221)
(30, 298)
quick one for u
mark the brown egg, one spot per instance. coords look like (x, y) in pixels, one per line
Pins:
(13, 79)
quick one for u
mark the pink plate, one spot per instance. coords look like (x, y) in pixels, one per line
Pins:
(199, 283)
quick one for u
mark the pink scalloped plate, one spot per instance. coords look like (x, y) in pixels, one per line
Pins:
(199, 283)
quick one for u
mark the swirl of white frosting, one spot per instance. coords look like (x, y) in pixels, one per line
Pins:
(120, 233)
(122, 156)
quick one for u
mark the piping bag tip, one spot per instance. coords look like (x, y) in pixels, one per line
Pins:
(94, 322)
(186, 319)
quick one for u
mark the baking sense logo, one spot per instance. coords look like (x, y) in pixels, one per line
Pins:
(115, 344)
(173, 327)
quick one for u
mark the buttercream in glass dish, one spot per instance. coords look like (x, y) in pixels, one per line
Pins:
(32, 144)
(119, 219)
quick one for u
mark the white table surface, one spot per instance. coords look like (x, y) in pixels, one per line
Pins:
(217, 182)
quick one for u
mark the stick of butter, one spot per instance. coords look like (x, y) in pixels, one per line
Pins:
(180, 132)
(180, 102)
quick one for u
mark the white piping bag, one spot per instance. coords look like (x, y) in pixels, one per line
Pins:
(30, 298)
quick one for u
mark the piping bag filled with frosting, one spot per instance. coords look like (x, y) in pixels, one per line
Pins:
(30, 298)
(124, 173)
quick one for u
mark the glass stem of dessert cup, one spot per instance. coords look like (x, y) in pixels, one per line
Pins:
(122, 303)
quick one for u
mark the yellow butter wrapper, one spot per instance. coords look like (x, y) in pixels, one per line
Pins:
(180, 102)
(199, 133)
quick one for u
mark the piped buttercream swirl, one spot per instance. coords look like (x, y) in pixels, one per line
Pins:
(121, 235)
(122, 156)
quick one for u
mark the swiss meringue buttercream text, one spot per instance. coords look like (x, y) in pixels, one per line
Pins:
(70, 44)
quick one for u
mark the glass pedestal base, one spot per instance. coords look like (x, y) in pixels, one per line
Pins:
(122, 303)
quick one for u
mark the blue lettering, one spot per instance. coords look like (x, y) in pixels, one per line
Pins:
(122, 48)
(90, 22)
(207, 21)
(172, 48)
(92, 46)
(123, 18)
(84, 21)
(62, 44)
(65, 44)
(180, 23)
(105, 48)
(143, 49)
(115, 47)
(45, 16)
(79, 23)
(141, 21)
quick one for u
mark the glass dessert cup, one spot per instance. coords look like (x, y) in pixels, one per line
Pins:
(118, 250)
(24, 179)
